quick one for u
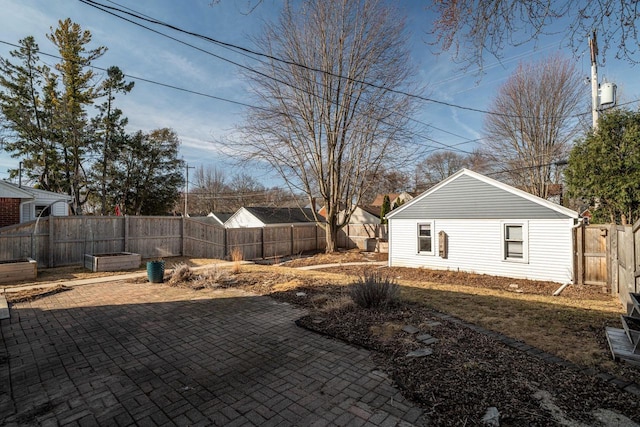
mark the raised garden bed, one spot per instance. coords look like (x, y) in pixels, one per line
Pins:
(18, 270)
(112, 262)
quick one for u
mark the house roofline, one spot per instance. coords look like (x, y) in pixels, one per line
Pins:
(506, 187)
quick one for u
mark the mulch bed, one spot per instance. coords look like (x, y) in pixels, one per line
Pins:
(476, 280)
(468, 371)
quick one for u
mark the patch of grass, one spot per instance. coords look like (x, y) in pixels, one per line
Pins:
(571, 328)
(374, 290)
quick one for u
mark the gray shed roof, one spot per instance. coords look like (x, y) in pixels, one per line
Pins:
(470, 195)
(281, 215)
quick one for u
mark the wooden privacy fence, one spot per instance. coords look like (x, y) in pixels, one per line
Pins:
(358, 235)
(608, 255)
(59, 241)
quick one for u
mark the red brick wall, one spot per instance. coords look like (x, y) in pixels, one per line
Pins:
(9, 211)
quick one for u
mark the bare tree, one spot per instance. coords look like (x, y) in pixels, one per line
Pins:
(327, 119)
(438, 166)
(470, 28)
(210, 185)
(385, 182)
(532, 122)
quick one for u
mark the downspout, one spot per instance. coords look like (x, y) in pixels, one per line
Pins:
(562, 288)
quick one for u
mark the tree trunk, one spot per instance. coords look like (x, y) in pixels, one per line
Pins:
(332, 235)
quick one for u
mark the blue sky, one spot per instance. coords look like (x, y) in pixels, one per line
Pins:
(202, 123)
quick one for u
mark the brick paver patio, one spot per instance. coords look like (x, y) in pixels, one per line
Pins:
(145, 354)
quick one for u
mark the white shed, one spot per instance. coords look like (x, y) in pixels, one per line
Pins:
(22, 203)
(269, 217)
(473, 223)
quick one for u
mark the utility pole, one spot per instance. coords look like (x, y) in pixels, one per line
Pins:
(186, 190)
(593, 47)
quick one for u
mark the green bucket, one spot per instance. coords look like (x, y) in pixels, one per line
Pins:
(155, 271)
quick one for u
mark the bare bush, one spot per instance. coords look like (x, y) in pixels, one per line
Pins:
(374, 290)
(338, 304)
(211, 278)
(181, 273)
(237, 257)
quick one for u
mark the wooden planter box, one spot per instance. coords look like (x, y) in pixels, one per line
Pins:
(18, 270)
(112, 262)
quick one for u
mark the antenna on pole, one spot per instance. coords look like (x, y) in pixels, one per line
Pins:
(604, 97)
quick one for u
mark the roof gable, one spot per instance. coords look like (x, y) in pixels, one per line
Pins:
(11, 190)
(468, 194)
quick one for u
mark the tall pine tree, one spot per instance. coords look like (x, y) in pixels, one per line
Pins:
(108, 128)
(78, 91)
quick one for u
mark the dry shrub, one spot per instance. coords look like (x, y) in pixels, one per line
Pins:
(181, 273)
(374, 290)
(213, 278)
(338, 304)
(236, 257)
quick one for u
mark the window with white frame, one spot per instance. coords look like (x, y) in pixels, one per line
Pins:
(425, 238)
(515, 242)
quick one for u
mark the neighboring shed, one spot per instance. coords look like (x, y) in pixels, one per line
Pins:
(20, 204)
(473, 223)
(220, 217)
(269, 217)
(363, 215)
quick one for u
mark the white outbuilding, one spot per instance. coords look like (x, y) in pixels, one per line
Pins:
(470, 222)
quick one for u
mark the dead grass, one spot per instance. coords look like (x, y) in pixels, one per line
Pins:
(572, 328)
(236, 257)
(78, 272)
(32, 294)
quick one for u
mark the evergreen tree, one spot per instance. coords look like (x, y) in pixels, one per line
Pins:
(604, 168)
(108, 127)
(385, 209)
(27, 91)
(147, 174)
(77, 93)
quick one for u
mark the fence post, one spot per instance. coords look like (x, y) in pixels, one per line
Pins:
(126, 233)
(225, 249)
(291, 250)
(262, 243)
(580, 252)
(182, 245)
(613, 260)
(51, 259)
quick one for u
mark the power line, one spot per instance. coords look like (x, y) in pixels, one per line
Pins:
(146, 18)
(101, 7)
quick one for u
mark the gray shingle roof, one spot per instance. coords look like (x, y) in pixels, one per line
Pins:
(281, 215)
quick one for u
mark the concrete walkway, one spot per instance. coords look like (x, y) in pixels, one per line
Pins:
(342, 264)
(124, 354)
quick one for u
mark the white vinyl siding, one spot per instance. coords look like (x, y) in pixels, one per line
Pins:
(477, 245)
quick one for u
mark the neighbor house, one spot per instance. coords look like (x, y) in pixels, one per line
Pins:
(269, 217)
(473, 223)
(220, 217)
(19, 203)
(394, 199)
